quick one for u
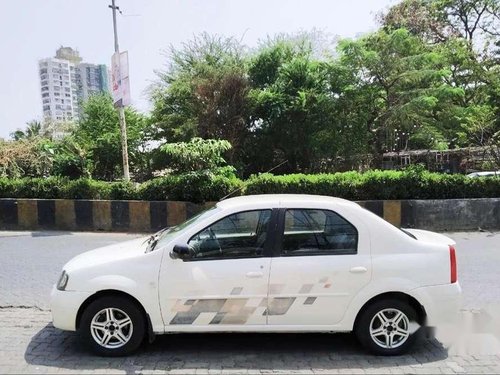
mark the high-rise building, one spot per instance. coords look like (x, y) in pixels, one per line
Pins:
(58, 90)
(66, 83)
(91, 79)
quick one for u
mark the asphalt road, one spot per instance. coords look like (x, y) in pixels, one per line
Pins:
(30, 263)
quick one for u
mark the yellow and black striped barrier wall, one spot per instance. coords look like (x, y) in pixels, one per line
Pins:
(389, 210)
(144, 216)
(93, 215)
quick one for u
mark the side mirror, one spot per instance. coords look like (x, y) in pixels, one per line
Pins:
(180, 252)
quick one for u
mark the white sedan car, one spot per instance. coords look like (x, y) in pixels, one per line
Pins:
(269, 263)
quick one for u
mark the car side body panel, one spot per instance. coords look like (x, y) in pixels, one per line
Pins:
(394, 262)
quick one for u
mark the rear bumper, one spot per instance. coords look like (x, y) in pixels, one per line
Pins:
(441, 302)
(64, 306)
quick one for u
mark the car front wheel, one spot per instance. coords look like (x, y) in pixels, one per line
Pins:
(388, 327)
(112, 326)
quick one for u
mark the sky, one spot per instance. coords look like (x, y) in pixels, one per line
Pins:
(33, 29)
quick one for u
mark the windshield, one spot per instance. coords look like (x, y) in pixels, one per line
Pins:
(165, 235)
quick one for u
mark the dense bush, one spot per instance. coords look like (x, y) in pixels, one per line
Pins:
(193, 187)
(68, 165)
(410, 184)
(206, 186)
(85, 188)
(42, 188)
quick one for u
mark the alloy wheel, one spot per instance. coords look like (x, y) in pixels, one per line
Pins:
(390, 328)
(111, 328)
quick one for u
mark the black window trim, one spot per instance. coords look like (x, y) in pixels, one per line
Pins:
(268, 245)
(280, 233)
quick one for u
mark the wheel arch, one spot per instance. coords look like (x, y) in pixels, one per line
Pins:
(114, 293)
(401, 296)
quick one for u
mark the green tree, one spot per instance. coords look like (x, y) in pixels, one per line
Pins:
(470, 18)
(440, 20)
(420, 17)
(344, 143)
(98, 133)
(196, 155)
(295, 105)
(405, 84)
(71, 159)
(423, 81)
(203, 93)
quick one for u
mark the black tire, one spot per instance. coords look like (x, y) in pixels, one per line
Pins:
(121, 340)
(379, 345)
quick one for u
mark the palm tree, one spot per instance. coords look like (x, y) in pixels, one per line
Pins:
(33, 129)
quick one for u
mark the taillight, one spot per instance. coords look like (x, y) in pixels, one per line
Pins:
(453, 265)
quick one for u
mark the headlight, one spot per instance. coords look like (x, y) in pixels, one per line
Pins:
(63, 280)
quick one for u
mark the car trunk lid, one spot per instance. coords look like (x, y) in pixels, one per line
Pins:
(428, 236)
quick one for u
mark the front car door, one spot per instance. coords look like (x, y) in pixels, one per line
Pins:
(224, 285)
(323, 260)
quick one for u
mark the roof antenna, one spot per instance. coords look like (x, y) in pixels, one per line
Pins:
(245, 184)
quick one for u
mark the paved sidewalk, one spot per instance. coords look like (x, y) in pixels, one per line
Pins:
(30, 344)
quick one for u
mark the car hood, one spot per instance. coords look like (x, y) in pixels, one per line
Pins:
(433, 237)
(106, 254)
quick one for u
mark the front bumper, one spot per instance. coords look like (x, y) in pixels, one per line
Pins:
(441, 302)
(64, 306)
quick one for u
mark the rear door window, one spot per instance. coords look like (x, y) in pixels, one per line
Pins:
(317, 232)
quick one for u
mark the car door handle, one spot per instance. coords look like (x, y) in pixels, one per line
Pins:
(358, 270)
(254, 275)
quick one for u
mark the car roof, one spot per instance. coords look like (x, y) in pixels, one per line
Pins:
(281, 199)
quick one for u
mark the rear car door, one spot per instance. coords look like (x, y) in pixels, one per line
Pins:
(224, 285)
(323, 260)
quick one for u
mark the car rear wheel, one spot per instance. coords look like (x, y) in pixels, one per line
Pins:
(112, 326)
(388, 327)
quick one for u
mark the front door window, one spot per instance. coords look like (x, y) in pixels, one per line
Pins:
(240, 235)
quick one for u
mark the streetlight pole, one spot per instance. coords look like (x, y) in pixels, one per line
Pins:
(121, 108)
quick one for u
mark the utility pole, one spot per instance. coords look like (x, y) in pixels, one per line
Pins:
(121, 108)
